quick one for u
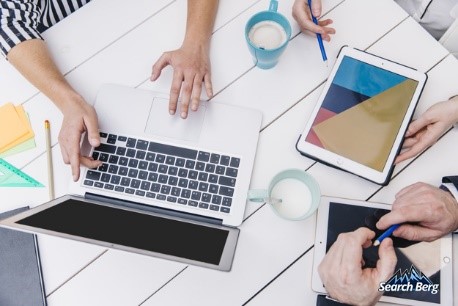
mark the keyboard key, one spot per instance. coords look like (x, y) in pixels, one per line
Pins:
(135, 183)
(125, 181)
(195, 195)
(115, 179)
(132, 173)
(182, 172)
(182, 201)
(131, 153)
(225, 160)
(170, 160)
(163, 179)
(231, 172)
(123, 161)
(193, 203)
(103, 157)
(129, 191)
(190, 164)
(213, 188)
(142, 165)
(123, 171)
(165, 189)
(220, 170)
(226, 181)
(180, 162)
(210, 168)
(95, 155)
(160, 158)
(121, 151)
(186, 193)
(224, 210)
(172, 150)
(213, 178)
(214, 207)
(214, 158)
(235, 162)
(108, 187)
(113, 159)
(145, 185)
(140, 193)
(173, 171)
(203, 205)
(193, 174)
(203, 186)
(150, 156)
(133, 163)
(163, 168)
(98, 185)
(173, 180)
(143, 175)
(103, 168)
(93, 175)
(152, 167)
(88, 182)
(106, 148)
(176, 191)
(183, 183)
(140, 154)
(152, 177)
(193, 184)
(112, 138)
(151, 195)
(113, 169)
(226, 191)
(203, 156)
(216, 199)
(161, 197)
(103, 135)
(206, 197)
(200, 166)
(122, 138)
(155, 187)
(171, 199)
(203, 176)
(142, 144)
(105, 177)
(131, 142)
(119, 189)
(227, 201)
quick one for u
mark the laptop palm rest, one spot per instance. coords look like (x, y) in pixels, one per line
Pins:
(173, 126)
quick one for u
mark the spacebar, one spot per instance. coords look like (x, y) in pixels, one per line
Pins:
(172, 150)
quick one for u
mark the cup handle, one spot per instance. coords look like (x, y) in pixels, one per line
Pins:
(273, 6)
(261, 196)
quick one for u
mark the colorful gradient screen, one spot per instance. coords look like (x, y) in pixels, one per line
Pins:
(362, 112)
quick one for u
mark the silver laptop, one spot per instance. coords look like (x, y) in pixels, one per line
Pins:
(168, 187)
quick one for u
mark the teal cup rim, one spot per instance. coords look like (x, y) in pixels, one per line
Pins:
(288, 30)
(264, 195)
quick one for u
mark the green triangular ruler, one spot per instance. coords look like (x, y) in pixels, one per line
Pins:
(11, 176)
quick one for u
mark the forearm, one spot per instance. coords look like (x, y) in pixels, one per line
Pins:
(200, 21)
(33, 60)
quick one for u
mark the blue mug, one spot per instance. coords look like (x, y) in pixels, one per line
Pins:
(267, 34)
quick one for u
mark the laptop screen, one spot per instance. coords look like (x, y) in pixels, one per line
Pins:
(132, 229)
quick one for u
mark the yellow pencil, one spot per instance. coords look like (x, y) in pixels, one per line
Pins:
(49, 156)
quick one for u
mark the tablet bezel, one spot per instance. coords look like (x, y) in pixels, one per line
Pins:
(446, 286)
(338, 161)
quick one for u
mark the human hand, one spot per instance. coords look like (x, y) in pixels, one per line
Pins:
(342, 273)
(191, 67)
(79, 117)
(427, 129)
(301, 13)
(425, 213)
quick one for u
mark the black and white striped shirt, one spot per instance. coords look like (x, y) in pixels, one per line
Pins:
(26, 19)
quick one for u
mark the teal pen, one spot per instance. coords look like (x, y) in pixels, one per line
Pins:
(385, 234)
(318, 35)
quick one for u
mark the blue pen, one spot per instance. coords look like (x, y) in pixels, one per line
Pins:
(318, 35)
(385, 234)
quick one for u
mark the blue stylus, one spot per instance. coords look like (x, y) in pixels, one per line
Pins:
(385, 234)
(318, 35)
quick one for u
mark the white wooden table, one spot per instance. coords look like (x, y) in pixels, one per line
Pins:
(109, 41)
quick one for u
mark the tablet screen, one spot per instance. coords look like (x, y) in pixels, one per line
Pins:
(424, 257)
(362, 113)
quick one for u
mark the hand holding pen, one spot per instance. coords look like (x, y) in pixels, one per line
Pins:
(303, 12)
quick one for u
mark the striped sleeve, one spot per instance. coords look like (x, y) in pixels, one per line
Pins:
(18, 22)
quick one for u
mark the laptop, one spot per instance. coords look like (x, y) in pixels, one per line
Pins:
(168, 187)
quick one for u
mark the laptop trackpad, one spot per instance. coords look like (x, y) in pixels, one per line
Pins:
(160, 123)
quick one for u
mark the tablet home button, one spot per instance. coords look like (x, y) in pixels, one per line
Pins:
(446, 259)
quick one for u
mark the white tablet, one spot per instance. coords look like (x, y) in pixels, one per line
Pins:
(360, 119)
(427, 263)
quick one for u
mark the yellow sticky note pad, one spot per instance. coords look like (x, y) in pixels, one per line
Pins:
(14, 126)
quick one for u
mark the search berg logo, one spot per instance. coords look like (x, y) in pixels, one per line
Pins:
(410, 280)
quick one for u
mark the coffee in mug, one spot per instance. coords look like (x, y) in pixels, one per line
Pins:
(267, 35)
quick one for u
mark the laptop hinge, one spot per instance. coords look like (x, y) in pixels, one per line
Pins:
(153, 209)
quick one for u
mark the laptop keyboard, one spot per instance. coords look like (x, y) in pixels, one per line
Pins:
(176, 175)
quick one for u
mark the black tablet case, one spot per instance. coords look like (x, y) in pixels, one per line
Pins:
(21, 281)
